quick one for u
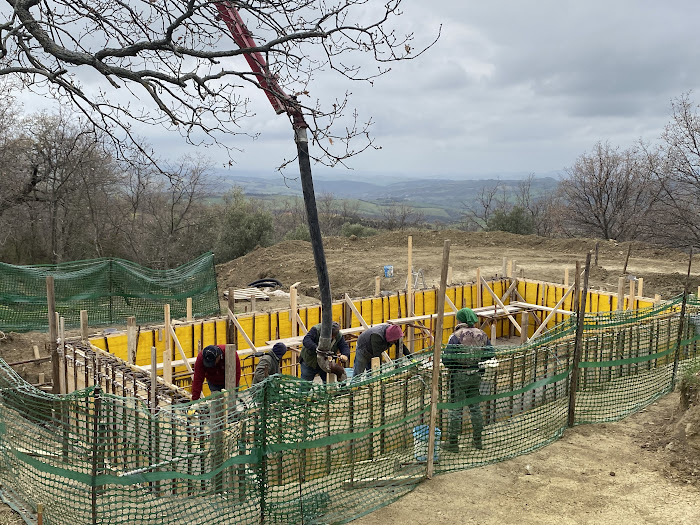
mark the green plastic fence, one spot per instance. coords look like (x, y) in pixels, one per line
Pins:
(289, 451)
(109, 289)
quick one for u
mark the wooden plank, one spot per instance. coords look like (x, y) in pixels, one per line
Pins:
(531, 306)
(349, 302)
(554, 311)
(245, 294)
(241, 331)
(498, 300)
(167, 353)
(182, 352)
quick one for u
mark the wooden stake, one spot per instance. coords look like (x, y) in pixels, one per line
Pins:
(293, 308)
(84, 325)
(409, 293)
(39, 514)
(37, 355)
(493, 333)
(377, 285)
(509, 269)
(478, 287)
(168, 352)
(640, 287)
(503, 269)
(630, 305)
(154, 379)
(53, 334)
(524, 322)
(63, 377)
(131, 340)
(566, 277)
(230, 364)
(575, 370)
(437, 350)
(629, 250)
(449, 275)
(595, 263)
(620, 293)
(189, 310)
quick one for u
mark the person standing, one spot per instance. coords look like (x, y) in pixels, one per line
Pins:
(467, 353)
(309, 362)
(372, 342)
(269, 363)
(211, 365)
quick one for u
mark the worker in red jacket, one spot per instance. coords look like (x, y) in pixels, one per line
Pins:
(211, 365)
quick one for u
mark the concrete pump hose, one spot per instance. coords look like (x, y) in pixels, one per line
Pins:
(326, 363)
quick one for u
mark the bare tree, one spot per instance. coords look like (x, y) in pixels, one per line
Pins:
(400, 216)
(477, 213)
(676, 166)
(607, 193)
(175, 64)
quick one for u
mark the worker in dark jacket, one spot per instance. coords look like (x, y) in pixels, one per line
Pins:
(211, 365)
(309, 362)
(373, 342)
(467, 355)
(269, 363)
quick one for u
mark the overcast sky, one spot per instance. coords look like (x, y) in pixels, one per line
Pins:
(514, 86)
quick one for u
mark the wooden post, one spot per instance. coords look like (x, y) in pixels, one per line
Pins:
(577, 287)
(63, 372)
(449, 276)
(640, 287)
(503, 269)
(577, 346)
(566, 277)
(681, 323)
(84, 325)
(595, 263)
(293, 308)
(620, 294)
(376, 408)
(657, 298)
(409, 293)
(37, 355)
(509, 269)
(131, 340)
(189, 310)
(53, 334)
(230, 378)
(39, 514)
(168, 352)
(437, 350)
(524, 323)
(630, 305)
(377, 285)
(624, 268)
(478, 287)
(493, 333)
(154, 379)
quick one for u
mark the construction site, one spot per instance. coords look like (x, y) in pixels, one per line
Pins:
(117, 435)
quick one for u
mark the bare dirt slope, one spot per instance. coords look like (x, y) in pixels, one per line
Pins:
(605, 474)
(353, 264)
(654, 478)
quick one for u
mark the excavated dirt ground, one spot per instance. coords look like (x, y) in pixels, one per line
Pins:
(644, 469)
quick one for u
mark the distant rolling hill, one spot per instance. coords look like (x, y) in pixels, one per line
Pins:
(437, 199)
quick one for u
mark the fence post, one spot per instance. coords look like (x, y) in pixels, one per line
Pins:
(577, 348)
(95, 451)
(681, 322)
(437, 348)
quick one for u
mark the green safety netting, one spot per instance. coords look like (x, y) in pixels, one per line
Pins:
(109, 289)
(290, 451)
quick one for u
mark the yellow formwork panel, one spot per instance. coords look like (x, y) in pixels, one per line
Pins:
(261, 333)
(247, 326)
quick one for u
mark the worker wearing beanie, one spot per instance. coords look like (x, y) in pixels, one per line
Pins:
(269, 363)
(309, 360)
(372, 342)
(467, 352)
(211, 365)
